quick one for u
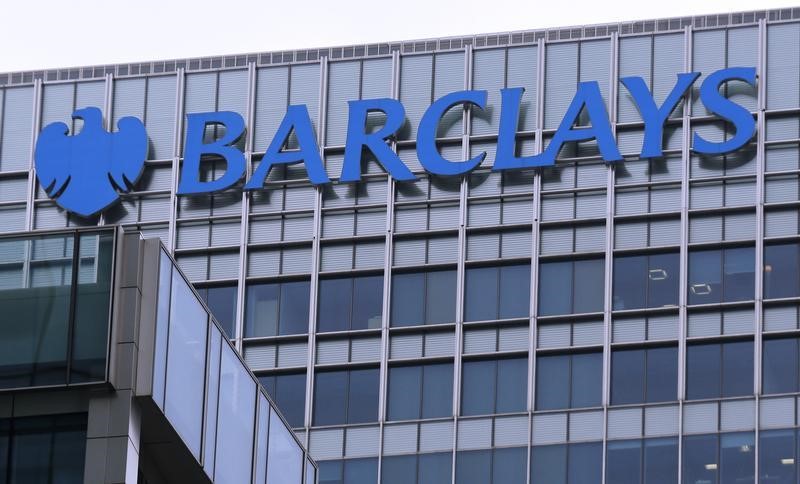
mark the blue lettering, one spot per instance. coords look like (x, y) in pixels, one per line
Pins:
(194, 149)
(742, 120)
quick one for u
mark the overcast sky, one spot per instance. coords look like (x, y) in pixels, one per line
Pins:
(57, 33)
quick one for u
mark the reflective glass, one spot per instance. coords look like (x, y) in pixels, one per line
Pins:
(221, 300)
(780, 366)
(700, 462)
(589, 285)
(627, 376)
(661, 461)
(662, 374)
(294, 308)
(552, 382)
(549, 464)
(478, 383)
(437, 390)
(738, 452)
(509, 465)
(399, 469)
(335, 297)
(781, 269)
(624, 462)
(515, 291)
(737, 369)
(703, 368)
(330, 398)
(585, 463)
(555, 288)
(363, 396)
(646, 281)
(330, 472)
(162, 328)
(512, 385)
(663, 280)
(285, 465)
(587, 380)
(739, 274)
(474, 467)
(44, 449)
(408, 296)
(777, 457)
(481, 298)
(288, 391)
(361, 471)
(705, 277)
(405, 392)
(277, 309)
(237, 410)
(440, 297)
(435, 468)
(367, 302)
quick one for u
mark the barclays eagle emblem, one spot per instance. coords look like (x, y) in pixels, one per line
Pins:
(85, 172)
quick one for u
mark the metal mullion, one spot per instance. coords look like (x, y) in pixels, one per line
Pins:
(73, 303)
(36, 121)
(180, 79)
(108, 96)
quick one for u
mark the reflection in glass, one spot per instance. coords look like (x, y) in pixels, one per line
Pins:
(423, 298)
(571, 287)
(721, 275)
(285, 464)
(646, 281)
(279, 308)
(237, 402)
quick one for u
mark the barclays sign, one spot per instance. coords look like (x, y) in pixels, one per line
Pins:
(84, 173)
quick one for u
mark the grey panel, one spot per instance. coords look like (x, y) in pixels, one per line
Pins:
(326, 443)
(260, 357)
(783, 158)
(12, 219)
(660, 421)
(272, 97)
(700, 418)
(628, 330)
(160, 116)
(362, 442)
(591, 175)
(784, 222)
(513, 338)
(590, 205)
(409, 252)
(336, 257)
(57, 104)
(737, 415)
(783, 66)
(232, 91)
(416, 86)
(635, 59)
(559, 207)
(370, 222)
(336, 351)
(365, 349)
(343, 86)
(555, 335)
(549, 428)
(435, 436)
(742, 51)
(263, 263)
(585, 426)
(484, 213)
(560, 81)
(510, 431)
(488, 73)
(705, 229)
(740, 226)
(665, 232)
(708, 56)
(223, 265)
(590, 238)
(16, 130)
(442, 249)
(556, 240)
(780, 318)
(480, 340)
(338, 224)
(662, 327)
(516, 244)
(631, 202)
(705, 324)
(405, 346)
(443, 217)
(13, 189)
(737, 321)
(777, 413)
(296, 260)
(292, 354)
(399, 439)
(630, 235)
(369, 255)
(587, 333)
(740, 193)
(304, 89)
(475, 434)
(195, 267)
(625, 423)
(705, 196)
(782, 189)
(448, 77)
(439, 344)
(522, 64)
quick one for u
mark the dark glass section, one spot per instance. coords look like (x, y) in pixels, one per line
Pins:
(780, 366)
(350, 471)
(781, 270)
(424, 391)
(569, 381)
(717, 370)
(644, 375)
(494, 386)
(567, 464)
(497, 292)
(497, 466)
(423, 298)
(417, 469)
(346, 397)
(221, 300)
(350, 303)
(721, 275)
(650, 461)
(719, 459)
(571, 287)
(646, 281)
(277, 308)
(288, 391)
(777, 456)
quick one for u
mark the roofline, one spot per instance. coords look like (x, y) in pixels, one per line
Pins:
(437, 44)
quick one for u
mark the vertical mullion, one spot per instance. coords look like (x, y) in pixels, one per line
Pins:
(180, 79)
(36, 122)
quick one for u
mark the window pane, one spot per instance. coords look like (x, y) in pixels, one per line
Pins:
(335, 296)
(737, 369)
(585, 463)
(330, 398)
(627, 376)
(700, 462)
(481, 294)
(290, 396)
(437, 391)
(408, 296)
(776, 457)
(555, 288)
(509, 466)
(781, 268)
(661, 461)
(237, 410)
(780, 365)
(285, 465)
(512, 385)
(587, 379)
(515, 291)
(222, 303)
(738, 458)
(703, 371)
(440, 298)
(361, 471)
(705, 277)
(435, 468)
(549, 464)
(294, 307)
(330, 472)
(400, 469)
(630, 282)
(589, 285)
(41, 449)
(262, 310)
(478, 388)
(363, 396)
(474, 467)
(623, 465)
(738, 274)
(663, 280)
(405, 392)
(367, 302)
(552, 382)
(662, 375)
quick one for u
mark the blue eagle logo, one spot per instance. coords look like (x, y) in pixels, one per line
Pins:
(84, 172)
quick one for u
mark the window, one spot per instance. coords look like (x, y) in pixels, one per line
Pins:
(780, 368)
(781, 269)
(221, 300)
(417, 469)
(346, 397)
(288, 391)
(721, 275)
(494, 386)
(423, 298)
(646, 281)
(719, 459)
(497, 466)
(497, 293)
(569, 381)
(424, 391)
(777, 456)
(649, 461)
(644, 375)
(717, 370)
(350, 471)
(277, 308)
(350, 303)
(567, 464)
(570, 287)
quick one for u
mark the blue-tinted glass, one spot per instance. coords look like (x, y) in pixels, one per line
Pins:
(630, 282)
(739, 274)
(705, 277)
(627, 376)
(661, 461)
(780, 366)
(330, 398)
(515, 291)
(549, 464)
(478, 388)
(405, 392)
(700, 462)
(738, 455)
(662, 375)
(512, 385)
(737, 369)
(45, 450)
(408, 295)
(474, 467)
(509, 466)
(589, 285)
(587, 379)
(221, 300)
(435, 468)
(781, 269)
(585, 463)
(367, 302)
(624, 462)
(237, 409)
(162, 328)
(290, 396)
(261, 318)
(335, 297)
(330, 472)
(555, 288)
(400, 469)
(285, 465)
(552, 382)
(361, 471)
(777, 462)
(703, 371)
(363, 396)
(437, 390)
(663, 280)
(440, 297)
(481, 294)
(294, 307)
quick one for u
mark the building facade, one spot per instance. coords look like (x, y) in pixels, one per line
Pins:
(584, 323)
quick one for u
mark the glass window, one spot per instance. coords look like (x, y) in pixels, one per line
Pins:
(569, 381)
(497, 466)
(780, 368)
(346, 397)
(721, 275)
(777, 456)
(235, 429)
(350, 303)
(571, 287)
(497, 292)
(288, 391)
(424, 391)
(644, 375)
(567, 464)
(277, 308)
(719, 459)
(717, 370)
(285, 456)
(221, 300)
(650, 461)
(417, 469)
(423, 298)
(646, 281)
(494, 386)
(781, 270)
(350, 471)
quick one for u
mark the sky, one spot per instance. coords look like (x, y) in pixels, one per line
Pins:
(56, 33)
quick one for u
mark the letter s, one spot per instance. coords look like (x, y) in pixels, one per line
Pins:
(743, 122)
